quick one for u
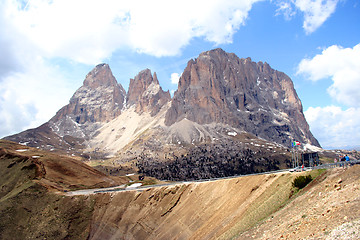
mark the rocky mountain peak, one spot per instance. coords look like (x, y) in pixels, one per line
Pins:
(138, 86)
(222, 88)
(212, 53)
(101, 75)
(146, 93)
(100, 99)
(219, 95)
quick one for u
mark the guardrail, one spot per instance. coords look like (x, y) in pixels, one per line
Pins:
(142, 188)
(337, 164)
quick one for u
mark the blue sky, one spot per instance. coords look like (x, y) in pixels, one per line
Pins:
(48, 47)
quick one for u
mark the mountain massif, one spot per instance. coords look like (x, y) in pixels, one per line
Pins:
(222, 101)
(229, 116)
(219, 87)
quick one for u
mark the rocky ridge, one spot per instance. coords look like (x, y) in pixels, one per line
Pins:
(220, 87)
(146, 93)
(99, 99)
(220, 98)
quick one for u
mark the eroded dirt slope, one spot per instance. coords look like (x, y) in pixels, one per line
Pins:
(56, 172)
(189, 211)
(250, 207)
(29, 207)
(256, 207)
(318, 211)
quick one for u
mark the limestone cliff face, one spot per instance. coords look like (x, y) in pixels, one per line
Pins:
(100, 99)
(217, 90)
(220, 87)
(146, 94)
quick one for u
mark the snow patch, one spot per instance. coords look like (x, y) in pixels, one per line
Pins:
(258, 81)
(313, 148)
(232, 133)
(22, 150)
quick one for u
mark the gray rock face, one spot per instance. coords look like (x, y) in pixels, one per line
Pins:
(218, 94)
(100, 99)
(220, 87)
(146, 94)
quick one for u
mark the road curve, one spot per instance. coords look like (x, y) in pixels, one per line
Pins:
(138, 187)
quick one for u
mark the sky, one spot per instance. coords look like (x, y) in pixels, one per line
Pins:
(48, 46)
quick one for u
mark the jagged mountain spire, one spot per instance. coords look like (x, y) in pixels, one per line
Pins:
(146, 93)
(100, 98)
(216, 91)
(100, 75)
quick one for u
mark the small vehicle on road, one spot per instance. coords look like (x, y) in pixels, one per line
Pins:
(296, 169)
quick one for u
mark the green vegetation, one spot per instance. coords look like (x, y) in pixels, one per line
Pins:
(150, 181)
(301, 181)
(276, 196)
(267, 203)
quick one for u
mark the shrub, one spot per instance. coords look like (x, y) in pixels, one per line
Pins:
(301, 181)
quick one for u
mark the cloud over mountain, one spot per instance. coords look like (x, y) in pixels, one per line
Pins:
(334, 127)
(340, 64)
(38, 36)
(331, 124)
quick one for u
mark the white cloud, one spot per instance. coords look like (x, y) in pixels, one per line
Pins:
(89, 31)
(175, 78)
(334, 127)
(172, 92)
(316, 12)
(285, 8)
(342, 65)
(83, 31)
(31, 89)
(34, 33)
(31, 97)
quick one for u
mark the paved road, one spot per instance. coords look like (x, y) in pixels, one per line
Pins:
(95, 190)
(138, 187)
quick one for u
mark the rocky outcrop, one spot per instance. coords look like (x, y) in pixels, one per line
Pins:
(146, 94)
(100, 99)
(220, 87)
(218, 94)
